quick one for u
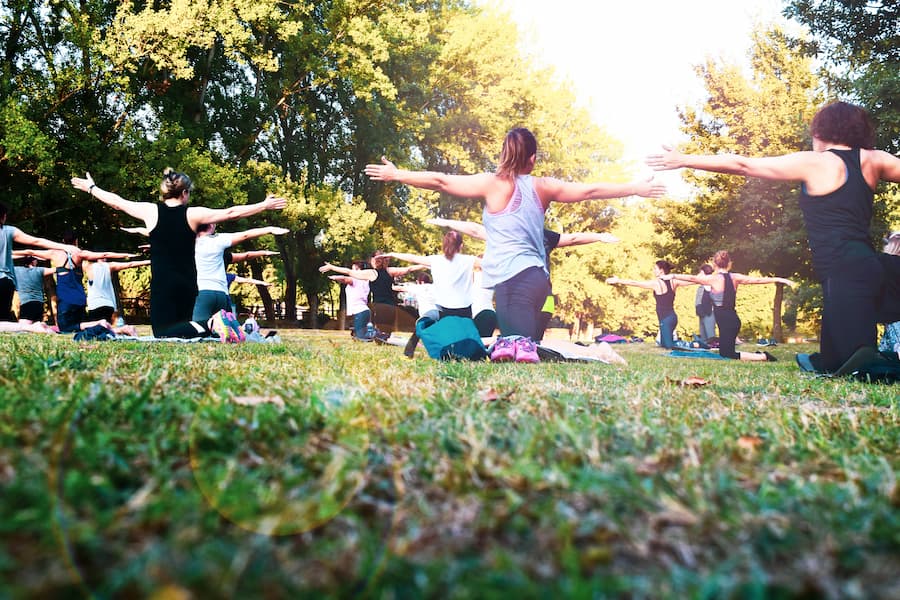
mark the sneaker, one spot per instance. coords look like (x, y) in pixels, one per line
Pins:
(218, 326)
(762, 342)
(504, 350)
(770, 358)
(237, 332)
(526, 351)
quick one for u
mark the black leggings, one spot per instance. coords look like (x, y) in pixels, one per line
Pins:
(7, 289)
(519, 301)
(729, 325)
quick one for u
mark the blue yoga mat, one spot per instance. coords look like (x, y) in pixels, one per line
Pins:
(696, 354)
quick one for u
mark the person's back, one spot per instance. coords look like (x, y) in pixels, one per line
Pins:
(838, 222)
(100, 293)
(452, 280)
(173, 272)
(515, 236)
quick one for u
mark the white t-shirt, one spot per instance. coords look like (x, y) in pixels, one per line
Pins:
(452, 280)
(210, 264)
(423, 294)
(357, 296)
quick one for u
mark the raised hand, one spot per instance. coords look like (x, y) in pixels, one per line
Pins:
(669, 159)
(608, 238)
(278, 230)
(612, 280)
(649, 188)
(326, 267)
(386, 171)
(275, 202)
(83, 184)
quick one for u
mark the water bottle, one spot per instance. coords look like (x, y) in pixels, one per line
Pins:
(370, 331)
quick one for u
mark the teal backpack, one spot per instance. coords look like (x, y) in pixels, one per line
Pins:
(451, 338)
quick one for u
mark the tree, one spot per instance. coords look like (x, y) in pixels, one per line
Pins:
(858, 43)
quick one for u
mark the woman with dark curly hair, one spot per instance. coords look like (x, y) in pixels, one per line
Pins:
(860, 286)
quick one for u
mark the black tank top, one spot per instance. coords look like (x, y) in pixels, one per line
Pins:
(729, 294)
(382, 288)
(172, 247)
(837, 224)
(665, 303)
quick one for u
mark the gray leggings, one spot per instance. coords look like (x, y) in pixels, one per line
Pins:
(519, 300)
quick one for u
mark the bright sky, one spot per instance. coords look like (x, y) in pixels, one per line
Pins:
(631, 61)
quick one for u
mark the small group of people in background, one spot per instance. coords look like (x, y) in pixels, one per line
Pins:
(720, 284)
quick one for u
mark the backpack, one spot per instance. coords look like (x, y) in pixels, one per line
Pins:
(451, 338)
(705, 308)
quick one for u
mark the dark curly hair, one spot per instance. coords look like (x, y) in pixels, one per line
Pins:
(843, 123)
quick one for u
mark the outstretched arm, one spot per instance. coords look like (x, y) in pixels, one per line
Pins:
(464, 186)
(138, 230)
(579, 239)
(401, 271)
(646, 285)
(343, 279)
(29, 240)
(413, 258)
(237, 257)
(475, 230)
(363, 274)
(94, 256)
(797, 166)
(243, 236)
(145, 211)
(550, 189)
(747, 279)
(119, 266)
(888, 165)
(240, 279)
(199, 214)
(42, 254)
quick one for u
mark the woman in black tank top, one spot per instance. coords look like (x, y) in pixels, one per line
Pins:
(859, 286)
(724, 285)
(664, 295)
(172, 226)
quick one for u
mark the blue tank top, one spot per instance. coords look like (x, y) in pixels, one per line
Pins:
(515, 236)
(69, 283)
(665, 303)
(837, 223)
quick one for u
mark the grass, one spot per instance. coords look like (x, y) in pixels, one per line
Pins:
(140, 470)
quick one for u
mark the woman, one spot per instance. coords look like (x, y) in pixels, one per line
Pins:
(513, 217)
(451, 273)
(30, 285)
(8, 235)
(859, 287)
(723, 289)
(101, 295)
(381, 285)
(212, 281)
(357, 293)
(172, 226)
(664, 295)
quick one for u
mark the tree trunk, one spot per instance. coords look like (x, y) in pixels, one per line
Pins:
(313, 311)
(256, 269)
(777, 334)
